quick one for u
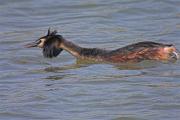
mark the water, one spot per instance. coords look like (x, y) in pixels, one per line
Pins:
(32, 87)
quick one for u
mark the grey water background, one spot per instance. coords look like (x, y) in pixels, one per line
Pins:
(33, 87)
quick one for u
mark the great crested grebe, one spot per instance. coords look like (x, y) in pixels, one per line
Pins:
(53, 44)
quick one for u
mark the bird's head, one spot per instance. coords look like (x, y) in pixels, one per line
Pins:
(49, 43)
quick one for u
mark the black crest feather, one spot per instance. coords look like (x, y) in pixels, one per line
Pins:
(50, 49)
(51, 33)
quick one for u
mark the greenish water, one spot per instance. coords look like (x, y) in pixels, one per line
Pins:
(32, 87)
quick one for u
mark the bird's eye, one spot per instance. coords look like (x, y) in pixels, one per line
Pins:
(42, 39)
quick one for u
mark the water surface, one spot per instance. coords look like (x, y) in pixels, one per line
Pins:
(32, 87)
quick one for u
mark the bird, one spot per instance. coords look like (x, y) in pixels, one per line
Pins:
(53, 44)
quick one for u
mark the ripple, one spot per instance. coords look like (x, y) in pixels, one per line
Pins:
(33, 87)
